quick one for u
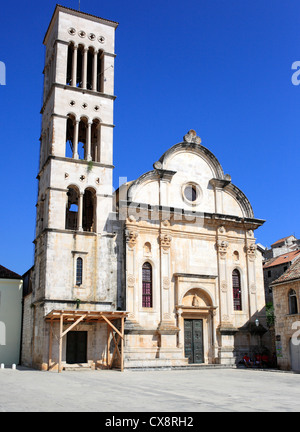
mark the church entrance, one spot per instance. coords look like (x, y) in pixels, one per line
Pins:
(193, 340)
(76, 347)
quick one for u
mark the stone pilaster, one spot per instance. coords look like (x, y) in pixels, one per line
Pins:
(131, 236)
(250, 249)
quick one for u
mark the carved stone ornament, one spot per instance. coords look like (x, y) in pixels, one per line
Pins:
(130, 280)
(166, 283)
(224, 286)
(251, 251)
(195, 301)
(253, 288)
(131, 237)
(222, 229)
(191, 137)
(165, 241)
(222, 246)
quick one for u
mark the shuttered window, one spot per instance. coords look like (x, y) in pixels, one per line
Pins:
(236, 286)
(147, 285)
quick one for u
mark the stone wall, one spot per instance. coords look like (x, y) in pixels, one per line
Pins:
(284, 321)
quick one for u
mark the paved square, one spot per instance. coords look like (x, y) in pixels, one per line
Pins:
(149, 391)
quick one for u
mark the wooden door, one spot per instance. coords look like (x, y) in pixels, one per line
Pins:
(76, 347)
(193, 340)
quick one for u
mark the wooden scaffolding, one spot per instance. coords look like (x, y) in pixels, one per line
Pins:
(75, 317)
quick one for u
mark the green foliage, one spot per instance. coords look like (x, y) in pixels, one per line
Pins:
(90, 166)
(270, 314)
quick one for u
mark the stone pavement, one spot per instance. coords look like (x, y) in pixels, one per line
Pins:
(207, 390)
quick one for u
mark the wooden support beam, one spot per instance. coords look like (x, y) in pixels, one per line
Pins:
(50, 346)
(112, 326)
(122, 344)
(73, 325)
(116, 350)
(60, 341)
(108, 346)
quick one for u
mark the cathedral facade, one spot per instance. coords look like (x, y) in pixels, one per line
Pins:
(162, 272)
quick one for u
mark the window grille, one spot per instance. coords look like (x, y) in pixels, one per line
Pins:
(236, 286)
(147, 285)
(79, 265)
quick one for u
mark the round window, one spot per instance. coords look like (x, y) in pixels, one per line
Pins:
(191, 193)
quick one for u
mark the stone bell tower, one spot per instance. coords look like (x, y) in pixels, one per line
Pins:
(75, 258)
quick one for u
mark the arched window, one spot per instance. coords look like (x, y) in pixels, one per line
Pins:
(236, 287)
(89, 210)
(79, 268)
(72, 208)
(79, 76)
(293, 307)
(147, 285)
(95, 140)
(100, 72)
(70, 63)
(70, 136)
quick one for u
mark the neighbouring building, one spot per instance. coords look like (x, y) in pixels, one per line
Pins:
(282, 246)
(275, 267)
(163, 272)
(10, 316)
(286, 294)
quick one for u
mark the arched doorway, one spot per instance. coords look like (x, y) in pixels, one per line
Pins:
(197, 326)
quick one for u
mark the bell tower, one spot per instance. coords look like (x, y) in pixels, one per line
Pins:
(75, 261)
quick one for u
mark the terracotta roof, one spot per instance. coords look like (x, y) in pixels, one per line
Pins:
(8, 274)
(281, 259)
(281, 240)
(292, 273)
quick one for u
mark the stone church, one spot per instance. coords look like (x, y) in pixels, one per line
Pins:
(164, 271)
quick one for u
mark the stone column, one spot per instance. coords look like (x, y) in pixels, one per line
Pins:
(84, 68)
(95, 65)
(75, 140)
(80, 211)
(74, 66)
(88, 140)
(98, 145)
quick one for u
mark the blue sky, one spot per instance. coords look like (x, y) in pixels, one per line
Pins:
(221, 67)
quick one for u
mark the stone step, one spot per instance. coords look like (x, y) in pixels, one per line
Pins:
(164, 364)
(77, 367)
